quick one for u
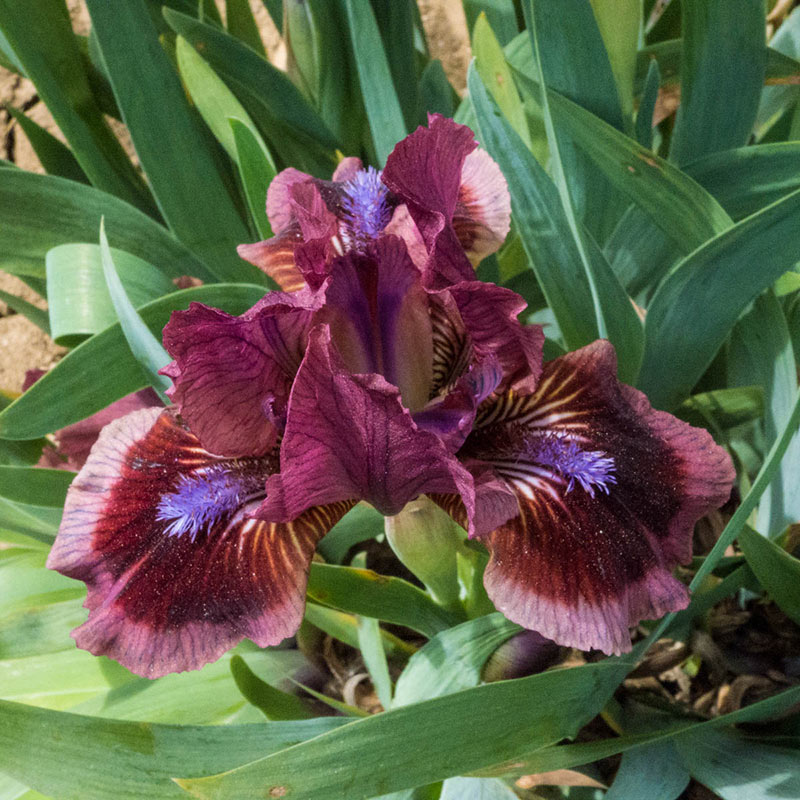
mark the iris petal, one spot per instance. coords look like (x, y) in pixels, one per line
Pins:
(424, 171)
(608, 491)
(348, 437)
(176, 571)
(232, 375)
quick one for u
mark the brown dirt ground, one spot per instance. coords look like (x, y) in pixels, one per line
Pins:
(24, 346)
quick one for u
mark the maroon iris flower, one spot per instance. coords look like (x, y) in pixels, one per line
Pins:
(386, 373)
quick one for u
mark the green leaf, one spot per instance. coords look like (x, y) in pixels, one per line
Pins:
(476, 789)
(40, 212)
(40, 629)
(256, 169)
(739, 767)
(736, 523)
(697, 304)
(562, 269)
(58, 72)
(336, 766)
(761, 352)
(144, 346)
(170, 143)
(655, 771)
(364, 592)
(213, 99)
(242, 24)
(395, 23)
(102, 369)
(723, 63)
(79, 302)
(647, 106)
(36, 315)
(500, 14)
(294, 129)
(35, 486)
(747, 179)
(344, 627)
(56, 157)
(371, 647)
(619, 24)
(359, 524)
(775, 100)
(453, 659)
(726, 407)
(436, 94)
(777, 571)
(490, 61)
(387, 126)
(681, 208)
(275, 704)
(68, 755)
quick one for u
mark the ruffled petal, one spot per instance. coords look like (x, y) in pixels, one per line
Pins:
(280, 211)
(348, 437)
(482, 217)
(489, 314)
(608, 490)
(232, 375)
(176, 570)
(424, 171)
(275, 257)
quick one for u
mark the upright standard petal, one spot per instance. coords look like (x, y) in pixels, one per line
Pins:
(349, 437)
(608, 491)
(232, 375)
(455, 194)
(177, 571)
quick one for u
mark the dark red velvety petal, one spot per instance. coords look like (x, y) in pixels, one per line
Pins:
(608, 489)
(176, 571)
(232, 375)
(348, 437)
(424, 171)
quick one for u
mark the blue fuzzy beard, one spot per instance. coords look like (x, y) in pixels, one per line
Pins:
(590, 468)
(200, 500)
(366, 209)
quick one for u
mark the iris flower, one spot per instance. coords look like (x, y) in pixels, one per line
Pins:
(382, 372)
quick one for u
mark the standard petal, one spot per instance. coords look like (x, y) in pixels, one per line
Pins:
(489, 314)
(378, 314)
(348, 437)
(176, 571)
(482, 217)
(608, 490)
(275, 257)
(232, 375)
(424, 172)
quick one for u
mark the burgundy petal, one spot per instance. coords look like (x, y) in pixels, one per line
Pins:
(378, 313)
(176, 571)
(490, 314)
(232, 375)
(608, 490)
(348, 437)
(424, 171)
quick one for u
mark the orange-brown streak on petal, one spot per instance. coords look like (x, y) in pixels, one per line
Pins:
(483, 212)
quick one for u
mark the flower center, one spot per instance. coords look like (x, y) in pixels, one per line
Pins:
(366, 209)
(590, 468)
(201, 499)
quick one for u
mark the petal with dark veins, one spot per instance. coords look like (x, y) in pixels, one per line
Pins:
(177, 572)
(349, 437)
(232, 375)
(608, 490)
